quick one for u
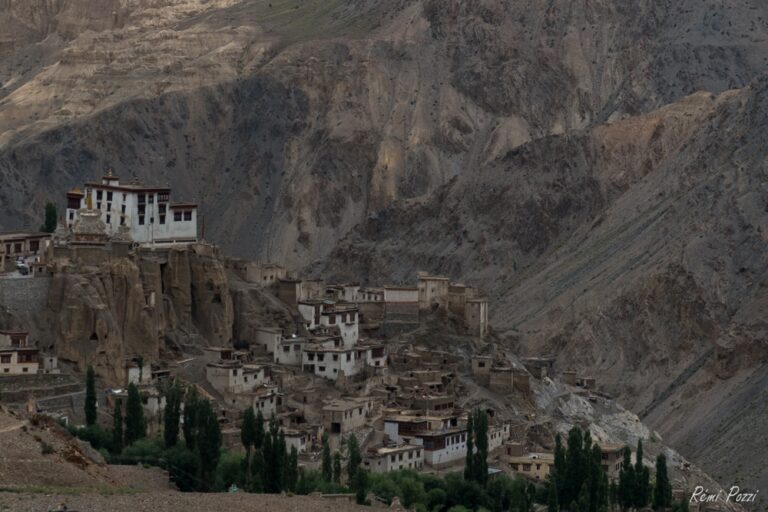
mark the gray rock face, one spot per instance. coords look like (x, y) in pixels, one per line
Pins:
(556, 153)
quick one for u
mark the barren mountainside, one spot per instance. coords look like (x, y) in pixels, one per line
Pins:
(598, 166)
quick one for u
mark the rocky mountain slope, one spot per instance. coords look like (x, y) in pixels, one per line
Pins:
(557, 153)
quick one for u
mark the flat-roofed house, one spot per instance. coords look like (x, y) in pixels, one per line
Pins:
(18, 355)
(342, 416)
(611, 458)
(382, 459)
(22, 246)
(535, 466)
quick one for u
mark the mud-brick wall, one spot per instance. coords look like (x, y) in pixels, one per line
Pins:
(24, 295)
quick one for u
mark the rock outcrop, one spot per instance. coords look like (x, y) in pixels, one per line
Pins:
(126, 307)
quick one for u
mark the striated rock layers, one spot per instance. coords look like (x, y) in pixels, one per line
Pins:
(127, 307)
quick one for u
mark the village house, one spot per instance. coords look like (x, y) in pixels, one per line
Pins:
(535, 466)
(481, 368)
(19, 249)
(263, 274)
(147, 212)
(341, 315)
(343, 416)
(232, 376)
(458, 295)
(299, 439)
(289, 351)
(432, 403)
(476, 317)
(265, 397)
(330, 362)
(382, 459)
(18, 356)
(611, 458)
(138, 373)
(433, 292)
(372, 354)
(269, 338)
(342, 292)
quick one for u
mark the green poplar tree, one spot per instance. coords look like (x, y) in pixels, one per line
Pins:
(117, 427)
(292, 473)
(642, 478)
(191, 409)
(135, 426)
(558, 475)
(327, 460)
(360, 485)
(90, 396)
(552, 497)
(208, 443)
(469, 463)
(171, 416)
(258, 439)
(49, 226)
(574, 468)
(627, 481)
(480, 465)
(355, 459)
(337, 468)
(662, 492)
(248, 437)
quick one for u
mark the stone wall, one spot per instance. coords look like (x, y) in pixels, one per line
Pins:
(24, 296)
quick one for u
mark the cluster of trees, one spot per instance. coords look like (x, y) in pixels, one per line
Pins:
(577, 482)
(267, 466)
(192, 454)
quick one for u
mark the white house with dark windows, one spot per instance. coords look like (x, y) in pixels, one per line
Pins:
(327, 313)
(148, 212)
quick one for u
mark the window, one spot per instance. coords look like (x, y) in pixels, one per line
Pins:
(125, 196)
(142, 199)
(98, 205)
(98, 194)
(335, 357)
(151, 220)
(311, 356)
(332, 319)
(71, 215)
(122, 220)
(109, 219)
(122, 209)
(286, 348)
(151, 198)
(109, 196)
(177, 216)
(187, 215)
(234, 373)
(17, 248)
(141, 220)
(25, 369)
(161, 208)
(349, 356)
(5, 359)
(321, 368)
(162, 197)
(34, 245)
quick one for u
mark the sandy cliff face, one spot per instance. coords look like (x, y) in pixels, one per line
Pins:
(125, 308)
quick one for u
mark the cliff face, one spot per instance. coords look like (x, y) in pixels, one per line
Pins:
(556, 153)
(125, 308)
